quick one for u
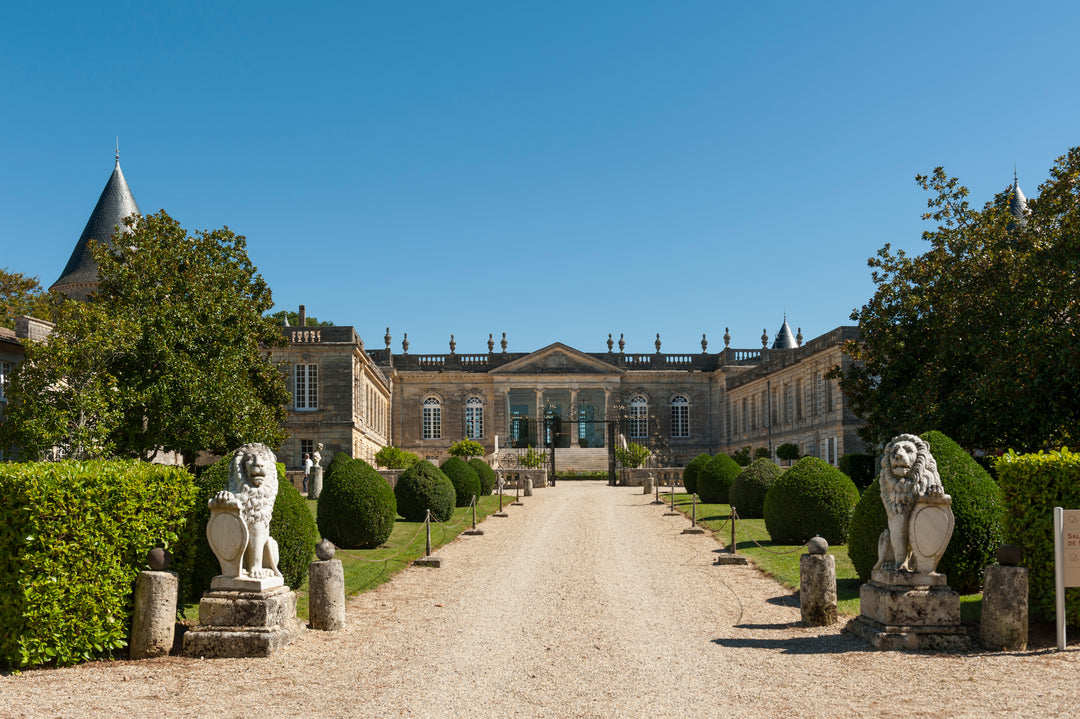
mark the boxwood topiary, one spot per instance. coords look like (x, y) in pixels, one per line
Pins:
(293, 529)
(692, 471)
(464, 478)
(715, 478)
(357, 507)
(861, 467)
(811, 498)
(486, 475)
(748, 491)
(976, 505)
(339, 459)
(421, 487)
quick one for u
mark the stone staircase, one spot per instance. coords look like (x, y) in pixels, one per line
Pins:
(592, 459)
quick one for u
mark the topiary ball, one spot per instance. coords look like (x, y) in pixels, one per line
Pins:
(976, 506)
(692, 471)
(357, 508)
(464, 478)
(812, 497)
(422, 487)
(748, 491)
(486, 475)
(715, 478)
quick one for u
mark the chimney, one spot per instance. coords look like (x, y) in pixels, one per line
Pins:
(303, 317)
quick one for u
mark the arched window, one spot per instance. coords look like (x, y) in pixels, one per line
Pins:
(432, 427)
(474, 418)
(639, 417)
(680, 416)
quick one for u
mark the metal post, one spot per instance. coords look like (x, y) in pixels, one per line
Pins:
(693, 512)
(427, 529)
(657, 485)
(474, 511)
(500, 499)
(733, 516)
(1059, 575)
(673, 498)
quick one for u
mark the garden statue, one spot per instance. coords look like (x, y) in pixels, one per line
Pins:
(918, 510)
(317, 456)
(239, 526)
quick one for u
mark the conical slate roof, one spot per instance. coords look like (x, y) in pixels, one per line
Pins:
(80, 276)
(1018, 204)
(785, 338)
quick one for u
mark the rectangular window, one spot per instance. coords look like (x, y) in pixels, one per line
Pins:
(307, 446)
(799, 399)
(680, 420)
(5, 371)
(639, 422)
(432, 428)
(787, 403)
(306, 389)
(745, 416)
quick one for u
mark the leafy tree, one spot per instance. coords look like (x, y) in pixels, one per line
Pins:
(977, 336)
(742, 456)
(294, 319)
(788, 451)
(467, 448)
(170, 354)
(22, 295)
(533, 458)
(762, 453)
(632, 456)
(395, 458)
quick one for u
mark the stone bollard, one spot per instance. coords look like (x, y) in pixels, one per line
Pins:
(326, 590)
(1004, 622)
(647, 487)
(315, 482)
(817, 584)
(154, 622)
(528, 488)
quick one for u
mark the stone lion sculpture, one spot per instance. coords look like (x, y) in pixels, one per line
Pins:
(239, 527)
(908, 472)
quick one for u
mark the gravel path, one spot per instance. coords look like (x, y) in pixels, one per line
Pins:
(586, 602)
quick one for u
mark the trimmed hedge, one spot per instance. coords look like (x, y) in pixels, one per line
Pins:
(421, 487)
(811, 498)
(340, 458)
(1032, 485)
(715, 478)
(748, 491)
(464, 478)
(976, 505)
(486, 474)
(861, 467)
(357, 508)
(73, 537)
(392, 457)
(291, 525)
(692, 471)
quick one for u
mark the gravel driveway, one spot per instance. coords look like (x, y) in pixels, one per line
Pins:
(585, 602)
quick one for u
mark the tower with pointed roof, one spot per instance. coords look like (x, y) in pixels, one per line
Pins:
(1017, 205)
(785, 338)
(80, 275)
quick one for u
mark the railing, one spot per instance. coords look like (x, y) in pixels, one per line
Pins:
(678, 360)
(743, 355)
(473, 360)
(430, 360)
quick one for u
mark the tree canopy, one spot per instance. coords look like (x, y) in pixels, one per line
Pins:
(293, 319)
(977, 336)
(22, 295)
(172, 353)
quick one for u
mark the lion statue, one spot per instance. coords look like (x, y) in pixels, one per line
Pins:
(908, 471)
(247, 551)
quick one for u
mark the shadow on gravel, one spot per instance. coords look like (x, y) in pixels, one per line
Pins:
(784, 600)
(829, 644)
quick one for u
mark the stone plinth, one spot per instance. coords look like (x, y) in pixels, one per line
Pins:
(903, 614)
(326, 595)
(1004, 622)
(154, 623)
(243, 624)
(817, 589)
(315, 482)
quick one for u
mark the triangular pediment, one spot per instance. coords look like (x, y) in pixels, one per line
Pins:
(557, 358)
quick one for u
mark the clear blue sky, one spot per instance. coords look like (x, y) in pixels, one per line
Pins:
(553, 170)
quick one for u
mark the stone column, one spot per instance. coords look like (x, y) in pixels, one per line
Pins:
(817, 585)
(573, 411)
(1004, 622)
(315, 482)
(154, 622)
(326, 587)
(540, 425)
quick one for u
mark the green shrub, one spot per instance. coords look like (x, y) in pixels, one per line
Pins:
(395, 458)
(692, 471)
(976, 506)
(715, 478)
(357, 508)
(294, 530)
(1032, 485)
(747, 493)
(339, 459)
(533, 459)
(861, 467)
(467, 448)
(762, 453)
(486, 475)
(811, 498)
(788, 451)
(464, 478)
(422, 487)
(73, 537)
(742, 456)
(632, 456)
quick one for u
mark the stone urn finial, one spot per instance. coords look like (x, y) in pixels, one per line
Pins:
(657, 343)
(453, 344)
(405, 343)
(491, 343)
(764, 339)
(610, 343)
(622, 343)
(798, 338)
(503, 343)
(704, 344)
(387, 338)
(727, 337)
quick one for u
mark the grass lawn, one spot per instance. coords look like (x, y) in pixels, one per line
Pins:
(368, 568)
(781, 561)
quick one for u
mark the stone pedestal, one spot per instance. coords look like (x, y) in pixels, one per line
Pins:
(909, 610)
(647, 485)
(326, 595)
(527, 488)
(817, 589)
(315, 482)
(243, 624)
(1004, 623)
(154, 622)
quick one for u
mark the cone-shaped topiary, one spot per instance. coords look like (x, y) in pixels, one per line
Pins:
(976, 506)
(464, 478)
(748, 491)
(357, 507)
(339, 459)
(422, 487)
(692, 471)
(293, 529)
(812, 497)
(715, 478)
(486, 475)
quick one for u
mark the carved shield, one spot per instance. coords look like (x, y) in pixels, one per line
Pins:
(931, 528)
(228, 537)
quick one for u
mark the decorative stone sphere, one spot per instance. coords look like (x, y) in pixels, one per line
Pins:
(325, 549)
(158, 559)
(1008, 555)
(817, 545)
